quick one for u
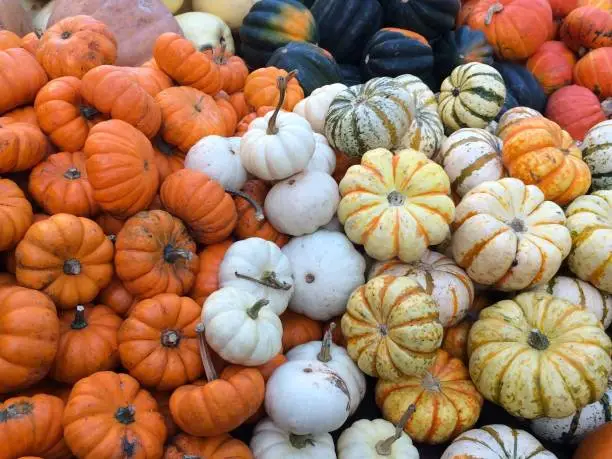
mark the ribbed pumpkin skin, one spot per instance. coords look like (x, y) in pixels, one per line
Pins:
(345, 25)
(393, 52)
(315, 66)
(552, 66)
(575, 109)
(514, 115)
(271, 24)
(587, 27)
(594, 71)
(522, 85)
(15, 212)
(429, 18)
(597, 153)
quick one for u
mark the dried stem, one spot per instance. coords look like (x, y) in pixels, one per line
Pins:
(325, 353)
(259, 213)
(209, 368)
(383, 447)
(495, 8)
(282, 83)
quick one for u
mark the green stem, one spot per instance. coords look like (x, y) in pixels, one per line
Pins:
(253, 311)
(79, 321)
(325, 352)
(268, 279)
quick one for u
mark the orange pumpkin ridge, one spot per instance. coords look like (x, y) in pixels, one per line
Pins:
(207, 279)
(261, 89)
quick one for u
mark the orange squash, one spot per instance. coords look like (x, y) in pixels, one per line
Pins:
(261, 89)
(232, 69)
(21, 78)
(241, 107)
(605, 5)
(299, 329)
(243, 125)
(31, 42)
(168, 158)
(8, 40)
(587, 28)
(163, 402)
(22, 146)
(207, 279)
(25, 114)
(116, 297)
(597, 444)
(575, 109)
(110, 225)
(152, 80)
(552, 65)
(594, 71)
(15, 213)
(218, 447)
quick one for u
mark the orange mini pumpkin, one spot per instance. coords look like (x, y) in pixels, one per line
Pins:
(261, 89)
(552, 65)
(116, 297)
(152, 80)
(75, 45)
(155, 254)
(22, 146)
(21, 78)
(201, 203)
(597, 444)
(299, 329)
(168, 158)
(163, 403)
(233, 69)
(110, 225)
(31, 42)
(8, 40)
(218, 447)
(587, 28)
(121, 168)
(605, 5)
(594, 71)
(243, 125)
(25, 114)
(15, 214)
(241, 106)
(59, 184)
(207, 280)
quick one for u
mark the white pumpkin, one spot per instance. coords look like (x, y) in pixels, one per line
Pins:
(205, 30)
(440, 277)
(425, 97)
(326, 270)
(241, 328)
(338, 360)
(323, 159)
(301, 204)
(231, 11)
(512, 116)
(314, 107)
(597, 153)
(579, 292)
(218, 157)
(496, 441)
(259, 267)
(271, 442)
(307, 397)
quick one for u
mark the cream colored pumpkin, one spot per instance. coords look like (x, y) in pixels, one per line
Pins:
(440, 277)
(512, 116)
(375, 439)
(205, 30)
(589, 219)
(425, 98)
(538, 355)
(470, 157)
(323, 159)
(314, 107)
(231, 11)
(395, 206)
(597, 153)
(218, 157)
(507, 236)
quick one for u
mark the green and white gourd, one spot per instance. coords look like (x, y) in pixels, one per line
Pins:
(471, 96)
(512, 116)
(470, 157)
(597, 153)
(376, 114)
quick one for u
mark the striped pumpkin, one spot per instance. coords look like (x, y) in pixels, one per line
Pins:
(470, 157)
(375, 114)
(440, 277)
(507, 236)
(597, 153)
(425, 97)
(471, 96)
(512, 116)
(589, 219)
(447, 402)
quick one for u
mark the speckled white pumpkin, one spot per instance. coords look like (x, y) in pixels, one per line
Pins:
(597, 153)
(218, 158)
(514, 115)
(314, 107)
(359, 441)
(324, 158)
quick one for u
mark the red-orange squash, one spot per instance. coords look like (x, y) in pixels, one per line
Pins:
(218, 447)
(22, 146)
(15, 213)
(594, 71)
(261, 89)
(597, 444)
(552, 65)
(21, 78)
(587, 28)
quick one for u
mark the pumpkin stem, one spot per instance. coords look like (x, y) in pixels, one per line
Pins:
(198, 105)
(15, 411)
(281, 82)
(72, 267)
(173, 254)
(396, 199)
(72, 174)
(125, 414)
(383, 447)
(301, 441)
(66, 35)
(538, 340)
(79, 321)
(170, 338)
(606, 106)
(268, 279)
(495, 8)
(88, 112)
(325, 353)
(259, 213)
(431, 383)
(164, 147)
(209, 368)
(112, 238)
(253, 311)
(38, 33)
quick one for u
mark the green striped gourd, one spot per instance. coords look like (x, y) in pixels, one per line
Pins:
(471, 96)
(376, 114)
(597, 153)
(470, 157)
(512, 116)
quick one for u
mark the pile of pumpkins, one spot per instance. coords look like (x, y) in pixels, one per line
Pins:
(245, 229)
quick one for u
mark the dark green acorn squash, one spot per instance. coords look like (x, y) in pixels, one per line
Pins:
(307, 3)
(351, 74)
(393, 52)
(271, 24)
(429, 18)
(522, 86)
(345, 26)
(315, 66)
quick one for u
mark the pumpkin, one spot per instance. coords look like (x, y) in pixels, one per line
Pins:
(37, 332)
(262, 88)
(218, 447)
(8, 40)
(239, 104)
(427, 18)
(22, 145)
(540, 153)
(207, 279)
(326, 268)
(552, 66)
(75, 45)
(168, 158)
(587, 28)
(121, 168)
(158, 343)
(67, 257)
(351, 74)
(15, 213)
(316, 196)
(522, 87)
(590, 224)
(271, 24)
(471, 96)
(324, 158)
(270, 441)
(152, 80)
(126, 416)
(382, 319)
(597, 152)
(60, 185)
(470, 157)
(562, 8)
(94, 329)
(232, 11)
(509, 247)
(596, 445)
(7, 279)
(25, 114)
(163, 404)
(32, 425)
(260, 268)
(189, 114)
(513, 115)
(601, 4)
(594, 71)
(155, 254)
(515, 28)
(455, 339)
(218, 158)
(299, 329)
(233, 70)
(110, 225)
(497, 439)
(116, 297)
(22, 78)
(63, 114)
(314, 107)
(513, 345)
(243, 125)
(396, 206)
(205, 31)
(375, 114)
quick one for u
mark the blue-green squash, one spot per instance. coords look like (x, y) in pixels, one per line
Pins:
(351, 74)
(522, 87)
(429, 18)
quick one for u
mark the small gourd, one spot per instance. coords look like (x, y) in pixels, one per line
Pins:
(218, 158)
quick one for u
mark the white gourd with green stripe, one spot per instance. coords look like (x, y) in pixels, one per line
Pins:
(376, 114)
(471, 96)
(512, 116)
(597, 153)
(470, 157)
